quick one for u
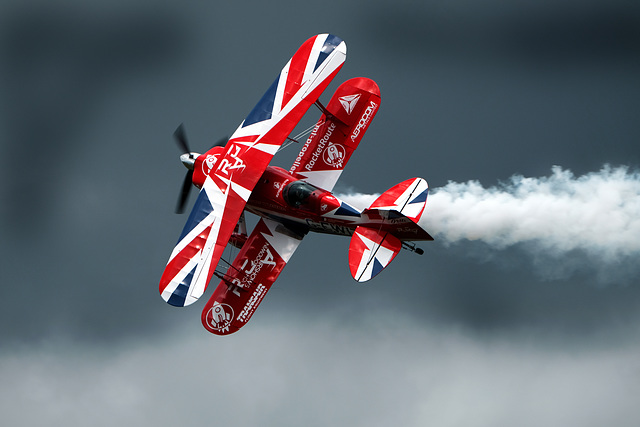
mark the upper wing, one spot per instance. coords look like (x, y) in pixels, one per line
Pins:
(247, 154)
(338, 132)
(251, 275)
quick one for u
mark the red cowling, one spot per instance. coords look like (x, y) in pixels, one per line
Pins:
(205, 163)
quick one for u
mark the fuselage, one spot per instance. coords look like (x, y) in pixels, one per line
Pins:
(286, 198)
(303, 207)
(283, 196)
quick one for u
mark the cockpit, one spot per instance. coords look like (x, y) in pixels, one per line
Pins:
(297, 193)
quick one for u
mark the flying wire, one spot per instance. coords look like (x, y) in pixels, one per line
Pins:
(290, 141)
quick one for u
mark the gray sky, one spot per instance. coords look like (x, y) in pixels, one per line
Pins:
(523, 311)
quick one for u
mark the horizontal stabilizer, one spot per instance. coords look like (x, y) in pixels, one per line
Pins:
(370, 251)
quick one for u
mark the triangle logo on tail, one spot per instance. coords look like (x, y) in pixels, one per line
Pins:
(349, 102)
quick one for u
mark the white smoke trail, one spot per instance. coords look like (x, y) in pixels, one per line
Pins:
(598, 213)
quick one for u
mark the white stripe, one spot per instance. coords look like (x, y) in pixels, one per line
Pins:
(241, 191)
(267, 148)
(324, 179)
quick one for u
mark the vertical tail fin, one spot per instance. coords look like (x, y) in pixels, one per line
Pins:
(409, 198)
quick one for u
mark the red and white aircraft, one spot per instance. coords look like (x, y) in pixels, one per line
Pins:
(237, 177)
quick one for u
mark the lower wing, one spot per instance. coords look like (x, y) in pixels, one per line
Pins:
(250, 277)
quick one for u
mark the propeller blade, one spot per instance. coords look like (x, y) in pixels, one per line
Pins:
(181, 138)
(184, 193)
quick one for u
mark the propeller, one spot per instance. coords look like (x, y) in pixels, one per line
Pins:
(181, 139)
(184, 192)
(188, 158)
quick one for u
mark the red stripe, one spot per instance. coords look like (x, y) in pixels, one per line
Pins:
(296, 70)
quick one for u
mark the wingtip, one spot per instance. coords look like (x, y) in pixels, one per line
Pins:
(180, 297)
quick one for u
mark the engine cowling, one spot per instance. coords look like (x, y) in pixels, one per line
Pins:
(204, 164)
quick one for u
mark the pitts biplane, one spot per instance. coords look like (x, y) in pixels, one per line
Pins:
(237, 177)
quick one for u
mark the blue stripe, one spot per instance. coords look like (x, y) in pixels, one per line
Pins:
(264, 108)
(377, 268)
(178, 296)
(329, 46)
(421, 198)
(201, 209)
(346, 210)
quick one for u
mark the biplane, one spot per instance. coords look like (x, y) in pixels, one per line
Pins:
(236, 177)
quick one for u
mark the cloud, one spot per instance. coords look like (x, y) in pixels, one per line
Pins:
(379, 372)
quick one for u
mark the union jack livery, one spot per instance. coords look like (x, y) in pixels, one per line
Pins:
(236, 177)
